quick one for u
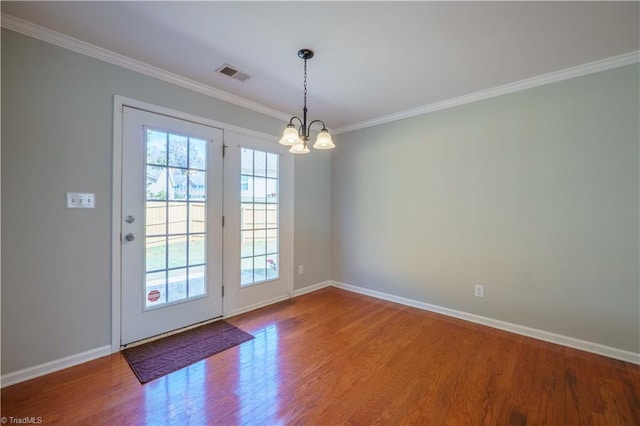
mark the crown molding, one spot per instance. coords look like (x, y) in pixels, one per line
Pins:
(53, 37)
(541, 80)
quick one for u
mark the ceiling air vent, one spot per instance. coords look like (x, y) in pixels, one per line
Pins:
(233, 72)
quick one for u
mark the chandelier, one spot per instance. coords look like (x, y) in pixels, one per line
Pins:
(297, 138)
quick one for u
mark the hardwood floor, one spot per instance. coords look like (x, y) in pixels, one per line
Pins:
(335, 357)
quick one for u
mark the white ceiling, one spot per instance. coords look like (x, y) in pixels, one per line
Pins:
(371, 59)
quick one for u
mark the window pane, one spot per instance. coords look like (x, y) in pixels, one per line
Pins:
(177, 151)
(246, 161)
(156, 147)
(259, 216)
(260, 190)
(259, 265)
(196, 185)
(156, 183)
(260, 163)
(272, 216)
(177, 251)
(155, 289)
(272, 241)
(246, 244)
(197, 154)
(246, 271)
(272, 165)
(260, 242)
(177, 218)
(196, 281)
(246, 189)
(246, 216)
(272, 266)
(196, 250)
(177, 188)
(177, 285)
(156, 219)
(156, 253)
(197, 213)
(272, 190)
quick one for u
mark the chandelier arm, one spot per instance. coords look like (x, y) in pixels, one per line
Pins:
(316, 121)
(295, 118)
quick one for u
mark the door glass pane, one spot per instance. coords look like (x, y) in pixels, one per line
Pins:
(177, 218)
(196, 281)
(177, 285)
(177, 185)
(178, 151)
(259, 248)
(156, 253)
(197, 213)
(156, 218)
(196, 250)
(156, 147)
(177, 251)
(156, 292)
(175, 215)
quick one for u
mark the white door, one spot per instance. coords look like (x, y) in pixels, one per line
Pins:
(171, 227)
(258, 232)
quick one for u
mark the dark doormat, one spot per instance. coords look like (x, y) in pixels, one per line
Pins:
(163, 356)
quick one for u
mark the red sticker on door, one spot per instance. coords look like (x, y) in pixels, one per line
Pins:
(153, 296)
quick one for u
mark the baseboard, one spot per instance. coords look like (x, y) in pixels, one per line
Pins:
(311, 288)
(256, 306)
(53, 366)
(546, 336)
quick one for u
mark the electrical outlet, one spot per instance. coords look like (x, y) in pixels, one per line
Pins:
(300, 269)
(479, 290)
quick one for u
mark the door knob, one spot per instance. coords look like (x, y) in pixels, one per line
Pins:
(130, 237)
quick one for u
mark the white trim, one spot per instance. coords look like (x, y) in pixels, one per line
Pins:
(311, 288)
(517, 86)
(116, 214)
(156, 109)
(546, 336)
(53, 366)
(62, 40)
(53, 37)
(256, 306)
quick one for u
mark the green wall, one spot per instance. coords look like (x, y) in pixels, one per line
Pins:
(533, 194)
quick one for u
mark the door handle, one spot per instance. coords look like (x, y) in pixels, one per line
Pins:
(130, 237)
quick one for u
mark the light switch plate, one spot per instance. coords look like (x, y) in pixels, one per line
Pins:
(81, 200)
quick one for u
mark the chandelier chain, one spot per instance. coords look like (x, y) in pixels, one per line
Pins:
(305, 83)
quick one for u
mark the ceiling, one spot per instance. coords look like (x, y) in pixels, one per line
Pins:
(372, 59)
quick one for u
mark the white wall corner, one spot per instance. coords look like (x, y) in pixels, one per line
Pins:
(571, 342)
(53, 366)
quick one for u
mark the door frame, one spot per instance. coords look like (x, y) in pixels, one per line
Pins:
(116, 196)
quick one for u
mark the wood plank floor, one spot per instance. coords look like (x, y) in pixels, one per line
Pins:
(335, 357)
